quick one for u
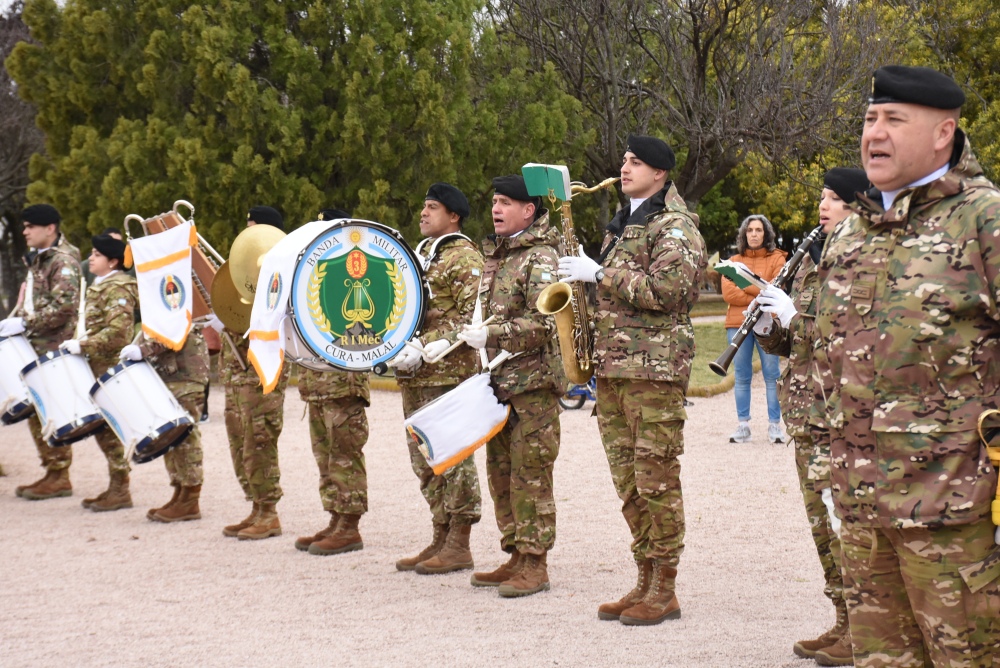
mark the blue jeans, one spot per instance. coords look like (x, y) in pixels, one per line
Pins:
(743, 366)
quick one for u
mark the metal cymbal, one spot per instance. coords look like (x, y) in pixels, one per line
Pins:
(233, 310)
(246, 255)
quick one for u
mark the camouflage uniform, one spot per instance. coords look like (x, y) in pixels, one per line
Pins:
(643, 348)
(339, 430)
(185, 373)
(56, 299)
(909, 354)
(520, 459)
(453, 278)
(253, 422)
(110, 323)
(797, 393)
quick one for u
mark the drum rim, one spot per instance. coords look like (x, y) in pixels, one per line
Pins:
(414, 259)
(140, 457)
(20, 411)
(111, 373)
(76, 424)
(42, 359)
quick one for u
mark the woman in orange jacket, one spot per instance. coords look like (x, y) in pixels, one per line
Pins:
(756, 249)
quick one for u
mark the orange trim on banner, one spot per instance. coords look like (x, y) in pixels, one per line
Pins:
(163, 261)
(169, 343)
(263, 335)
(193, 238)
(465, 452)
(269, 387)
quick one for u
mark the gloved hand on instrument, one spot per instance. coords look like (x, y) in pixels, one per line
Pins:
(433, 350)
(578, 268)
(215, 323)
(775, 301)
(11, 326)
(72, 346)
(408, 359)
(474, 335)
(763, 325)
(131, 352)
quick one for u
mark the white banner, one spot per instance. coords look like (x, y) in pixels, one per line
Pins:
(163, 272)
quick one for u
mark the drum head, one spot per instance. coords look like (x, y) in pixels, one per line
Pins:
(358, 295)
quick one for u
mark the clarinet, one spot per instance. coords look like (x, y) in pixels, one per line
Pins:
(783, 280)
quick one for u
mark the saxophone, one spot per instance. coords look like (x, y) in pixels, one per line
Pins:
(569, 304)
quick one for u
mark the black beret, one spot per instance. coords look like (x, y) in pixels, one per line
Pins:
(651, 150)
(41, 214)
(846, 182)
(333, 214)
(451, 197)
(512, 186)
(265, 215)
(109, 246)
(915, 85)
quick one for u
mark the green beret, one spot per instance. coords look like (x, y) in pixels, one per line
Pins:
(41, 214)
(651, 150)
(846, 182)
(915, 85)
(266, 215)
(451, 197)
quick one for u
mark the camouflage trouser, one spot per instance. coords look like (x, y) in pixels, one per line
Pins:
(825, 538)
(339, 431)
(184, 461)
(519, 463)
(917, 597)
(113, 451)
(453, 495)
(53, 459)
(642, 427)
(254, 421)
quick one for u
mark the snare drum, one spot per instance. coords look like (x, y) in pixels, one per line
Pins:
(15, 400)
(141, 410)
(59, 383)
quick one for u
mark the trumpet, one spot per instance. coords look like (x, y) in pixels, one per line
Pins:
(783, 280)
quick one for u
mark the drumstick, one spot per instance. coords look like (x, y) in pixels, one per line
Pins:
(460, 341)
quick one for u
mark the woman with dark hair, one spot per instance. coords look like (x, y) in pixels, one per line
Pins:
(756, 249)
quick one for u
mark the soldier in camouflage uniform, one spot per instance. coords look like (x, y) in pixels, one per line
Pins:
(47, 317)
(185, 373)
(521, 262)
(453, 268)
(909, 357)
(647, 280)
(785, 334)
(110, 306)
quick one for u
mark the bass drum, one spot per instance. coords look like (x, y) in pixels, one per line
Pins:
(296, 351)
(358, 295)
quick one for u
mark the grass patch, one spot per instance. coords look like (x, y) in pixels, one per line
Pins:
(710, 341)
(702, 308)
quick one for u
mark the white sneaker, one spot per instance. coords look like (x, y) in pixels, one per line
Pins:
(741, 435)
(774, 433)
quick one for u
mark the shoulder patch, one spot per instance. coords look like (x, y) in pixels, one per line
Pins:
(122, 302)
(677, 233)
(476, 271)
(66, 271)
(546, 275)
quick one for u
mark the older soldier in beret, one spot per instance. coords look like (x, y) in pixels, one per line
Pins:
(909, 355)
(788, 329)
(47, 316)
(647, 279)
(521, 261)
(254, 422)
(453, 268)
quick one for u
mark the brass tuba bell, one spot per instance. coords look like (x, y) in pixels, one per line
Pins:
(246, 255)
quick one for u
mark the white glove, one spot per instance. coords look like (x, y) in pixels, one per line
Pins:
(773, 300)
(215, 323)
(11, 326)
(434, 349)
(763, 324)
(474, 336)
(578, 268)
(408, 359)
(131, 352)
(72, 346)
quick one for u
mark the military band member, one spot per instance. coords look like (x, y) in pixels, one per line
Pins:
(647, 280)
(520, 262)
(47, 317)
(338, 427)
(254, 421)
(111, 301)
(909, 353)
(781, 332)
(453, 270)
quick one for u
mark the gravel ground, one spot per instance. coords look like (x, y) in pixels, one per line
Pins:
(113, 589)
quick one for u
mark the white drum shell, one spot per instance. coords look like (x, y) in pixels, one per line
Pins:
(60, 383)
(15, 400)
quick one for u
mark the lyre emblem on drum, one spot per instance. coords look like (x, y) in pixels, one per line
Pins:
(171, 292)
(273, 291)
(358, 306)
(423, 445)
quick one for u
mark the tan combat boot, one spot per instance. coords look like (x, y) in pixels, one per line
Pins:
(346, 538)
(531, 578)
(55, 484)
(500, 575)
(117, 496)
(659, 603)
(839, 654)
(265, 525)
(233, 529)
(303, 542)
(437, 542)
(186, 508)
(168, 504)
(612, 611)
(807, 648)
(19, 490)
(454, 556)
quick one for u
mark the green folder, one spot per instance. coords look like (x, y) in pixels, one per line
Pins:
(547, 180)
